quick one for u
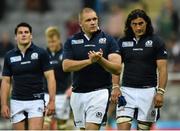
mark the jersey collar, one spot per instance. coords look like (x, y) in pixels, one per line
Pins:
(30, 48)
(93, 35)
(59, 51)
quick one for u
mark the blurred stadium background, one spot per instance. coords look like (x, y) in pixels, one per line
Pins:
(63, 13)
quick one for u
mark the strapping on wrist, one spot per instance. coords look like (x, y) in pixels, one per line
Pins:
(161, 91)
(115, 86)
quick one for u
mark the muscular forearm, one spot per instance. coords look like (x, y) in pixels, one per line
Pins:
(116, 92)
(163, 76)
(51, 84)
(75, 65)
(52, 90)
(109, 66)
(5, 89)
(115, 79)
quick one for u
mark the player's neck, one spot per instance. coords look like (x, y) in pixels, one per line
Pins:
(24, 47)
(55, 50)
(88, 36)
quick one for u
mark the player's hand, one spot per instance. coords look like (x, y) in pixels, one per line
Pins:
(158, 100)
(115, 94)
(50, 109)
(5, 112)
(100, 54)
(68, 92)
(94, 56)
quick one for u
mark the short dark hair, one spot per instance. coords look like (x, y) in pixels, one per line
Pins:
(138, 13)
(23, 24)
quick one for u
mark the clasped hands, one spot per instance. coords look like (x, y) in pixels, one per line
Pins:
(95, 56)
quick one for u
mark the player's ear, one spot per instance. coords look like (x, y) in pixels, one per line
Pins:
(15, 37)
(80, 24)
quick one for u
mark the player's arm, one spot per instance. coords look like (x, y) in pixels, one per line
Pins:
(75, 65)
(51, 89)
(5, 90)
(163, 76)
(69, 63)
(116, 92)
(113, 64)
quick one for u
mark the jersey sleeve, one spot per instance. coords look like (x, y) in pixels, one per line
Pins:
(6, 67)
(113, 47)
(161, 52)
(120, 46)
(67, 50)
(45, 61)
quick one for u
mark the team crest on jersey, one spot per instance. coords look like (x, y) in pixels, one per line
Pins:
(34, 56)
(15, 59)
(40, 109)
(99, 114)
(149, 43)
(128, 44)
(74, 42)
(102, 41)
(78, 122)
(153, 113)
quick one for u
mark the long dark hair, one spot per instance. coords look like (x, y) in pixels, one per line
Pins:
(138, 13)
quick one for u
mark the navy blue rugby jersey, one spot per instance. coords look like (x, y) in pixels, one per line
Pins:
(63, 79)
(94, 76)
(27, 72)
(139, 59)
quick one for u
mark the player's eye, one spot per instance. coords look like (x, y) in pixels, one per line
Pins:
(26, 32)
(94, 19)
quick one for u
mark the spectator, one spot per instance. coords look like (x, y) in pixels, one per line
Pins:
(2, 8)
(72, 25)
(38, 5)
(168, 21)
(115, 21)
(94, 4)
(5, 44)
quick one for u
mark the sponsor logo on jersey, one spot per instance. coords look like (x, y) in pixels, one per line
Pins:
(34, 56)
(102, 41)
(128, 44)
(25, 62)
(53, 62)
(117, 51)
(149, 43)
(137, 49)
(74, 42)
(89, 45)
(165, 52)
(15, 59)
